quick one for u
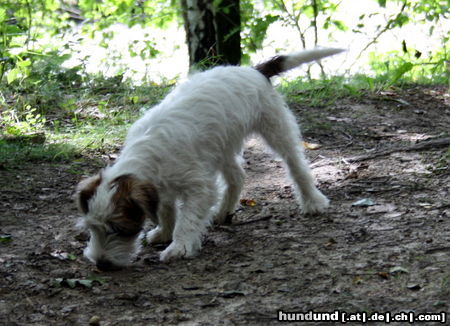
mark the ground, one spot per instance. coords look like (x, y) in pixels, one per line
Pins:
(390, 253)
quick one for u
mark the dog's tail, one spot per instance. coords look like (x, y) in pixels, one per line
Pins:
(282, 63)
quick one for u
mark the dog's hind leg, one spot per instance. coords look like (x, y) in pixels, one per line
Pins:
(281, 132)
(234, 175)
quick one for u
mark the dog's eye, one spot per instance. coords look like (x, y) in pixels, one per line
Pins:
(117, 230)
(113, 229)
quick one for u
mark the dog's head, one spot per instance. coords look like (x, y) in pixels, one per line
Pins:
(114, 213)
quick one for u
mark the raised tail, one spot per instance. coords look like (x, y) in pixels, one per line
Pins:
(282, 63)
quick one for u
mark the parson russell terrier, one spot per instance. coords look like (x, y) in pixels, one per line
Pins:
(173, 155)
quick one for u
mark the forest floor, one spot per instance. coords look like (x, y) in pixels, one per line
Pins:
(382, 247)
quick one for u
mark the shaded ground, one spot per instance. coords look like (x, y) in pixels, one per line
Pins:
(392, 256)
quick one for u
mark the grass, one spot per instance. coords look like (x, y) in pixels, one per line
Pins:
(318, 93)
(325, 92)
(89, 119)
(13, 154)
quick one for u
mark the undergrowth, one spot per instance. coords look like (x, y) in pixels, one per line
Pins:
(81, 117)
(324, 92)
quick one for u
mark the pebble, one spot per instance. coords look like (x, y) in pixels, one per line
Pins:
(94, 321)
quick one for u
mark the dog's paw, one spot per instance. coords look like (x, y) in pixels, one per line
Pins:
(173, 251)
(157, 235)
(224, 218)
(316, 204)
(178, 250)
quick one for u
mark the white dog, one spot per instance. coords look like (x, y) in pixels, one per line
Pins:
(168, 168)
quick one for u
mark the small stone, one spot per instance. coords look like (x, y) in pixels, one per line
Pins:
(94, 321)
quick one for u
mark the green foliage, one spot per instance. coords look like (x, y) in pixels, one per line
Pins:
(323, 92)
(254, 25)
(22, 23)
(254, 32)
(13, 125)
(145, 13)
(398, 68)
(296, 12)
(14, 154)
(103, 14)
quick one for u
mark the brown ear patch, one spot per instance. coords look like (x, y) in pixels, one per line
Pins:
(85, 190)
(133, 200)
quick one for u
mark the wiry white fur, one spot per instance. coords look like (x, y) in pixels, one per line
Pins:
(192, 136)
(103, 244)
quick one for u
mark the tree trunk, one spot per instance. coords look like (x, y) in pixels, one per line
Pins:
(212, 33)
(228, 21)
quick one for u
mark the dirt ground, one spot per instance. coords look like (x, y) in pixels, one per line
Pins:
(388, 254)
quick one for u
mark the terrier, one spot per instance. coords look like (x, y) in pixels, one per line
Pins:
(173, 155)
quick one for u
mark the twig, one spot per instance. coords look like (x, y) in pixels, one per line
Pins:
(264, 218)
(375, 39)
(416, 147)
(316, 37)
(295, 19)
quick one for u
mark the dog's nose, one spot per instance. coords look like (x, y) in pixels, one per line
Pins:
(105, 265)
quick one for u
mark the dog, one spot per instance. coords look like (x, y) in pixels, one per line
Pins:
(168, 168)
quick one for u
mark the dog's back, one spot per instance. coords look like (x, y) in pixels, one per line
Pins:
(213, 111)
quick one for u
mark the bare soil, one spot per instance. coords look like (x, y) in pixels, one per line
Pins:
(391, 256)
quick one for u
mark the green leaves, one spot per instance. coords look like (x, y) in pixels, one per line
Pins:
(13, 74)
(382, 3)
(2, 15)
(339, 25)
(400, 71)
(5, 238)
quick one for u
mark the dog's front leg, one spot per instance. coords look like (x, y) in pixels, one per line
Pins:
(162, 233)
(192, 220)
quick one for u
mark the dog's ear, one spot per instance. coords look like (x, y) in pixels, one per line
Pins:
(134, 200)
(85, 190)
(147, 196)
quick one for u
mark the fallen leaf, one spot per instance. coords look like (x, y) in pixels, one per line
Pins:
(5, 238)
(85, 283)
(74, 282)
(94, 321)
(394, 214)
(398, 270)
(413, 286)
(401, 101)
(357, 280)
(311, 146)
(364, 202)
(61, 255)
(330, 243)
(381, 208)
(248, 202)
(339, 119)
